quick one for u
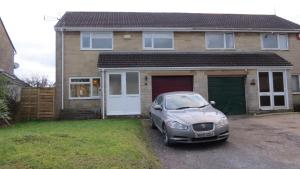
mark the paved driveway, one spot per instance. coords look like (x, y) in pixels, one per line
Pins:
(270, 142)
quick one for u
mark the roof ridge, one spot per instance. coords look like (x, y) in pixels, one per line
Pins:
(154, 12)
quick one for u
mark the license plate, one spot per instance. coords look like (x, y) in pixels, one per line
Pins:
(205, 134)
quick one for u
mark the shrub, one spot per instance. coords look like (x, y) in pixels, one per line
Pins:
(4, 114)
(12, 105)
(4, 111)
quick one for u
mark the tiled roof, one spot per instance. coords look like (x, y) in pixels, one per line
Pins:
(14, 79)
(178, 59)
(174, 20)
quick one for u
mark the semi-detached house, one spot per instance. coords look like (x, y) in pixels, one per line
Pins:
(116, 63)
(7, 63)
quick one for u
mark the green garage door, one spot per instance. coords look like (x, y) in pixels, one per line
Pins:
(228, 93)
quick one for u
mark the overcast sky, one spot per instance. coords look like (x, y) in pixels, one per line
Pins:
(34, 38)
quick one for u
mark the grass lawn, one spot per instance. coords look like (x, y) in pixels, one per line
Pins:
(113, 143)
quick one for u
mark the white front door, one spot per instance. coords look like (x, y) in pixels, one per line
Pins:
(123, 93)
(273, 91)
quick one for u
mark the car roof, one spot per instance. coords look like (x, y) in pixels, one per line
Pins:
(177, 92)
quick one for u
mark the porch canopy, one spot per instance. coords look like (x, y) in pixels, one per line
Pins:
(190, 59)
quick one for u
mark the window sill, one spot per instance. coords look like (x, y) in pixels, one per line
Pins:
(296, 93)
(158, 49)
(84, 98)
(83, 49)
(232, 49)
(266, 49)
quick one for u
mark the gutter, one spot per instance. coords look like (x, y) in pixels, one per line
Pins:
(62, 68)
(102, 92)
(202, 68)
(179, 29)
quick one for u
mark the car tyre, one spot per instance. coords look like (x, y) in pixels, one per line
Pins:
(153, 126)
(167, 140)
(223, 140)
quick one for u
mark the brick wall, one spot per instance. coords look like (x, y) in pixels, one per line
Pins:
(6, 51)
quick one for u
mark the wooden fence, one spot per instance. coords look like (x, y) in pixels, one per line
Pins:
(37, 103)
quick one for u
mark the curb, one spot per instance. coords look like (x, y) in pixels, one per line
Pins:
(272, 114)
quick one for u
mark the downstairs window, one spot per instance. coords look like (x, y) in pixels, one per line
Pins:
(84, 88)
(296, 83)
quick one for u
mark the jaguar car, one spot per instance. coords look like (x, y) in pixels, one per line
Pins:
(186, 117)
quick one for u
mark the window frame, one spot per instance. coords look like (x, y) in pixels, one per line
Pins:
(152, 41)
(111, 34)
(298, 75)
(123, 84)
(224, 40)
(271, 92)
(138, 83)
(278, 42)
(91, 87)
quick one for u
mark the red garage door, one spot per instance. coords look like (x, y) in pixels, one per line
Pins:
(162, 84)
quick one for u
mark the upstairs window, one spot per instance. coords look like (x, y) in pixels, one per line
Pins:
(219, 40)
(271, 41)
(158, 40)
(96, 40)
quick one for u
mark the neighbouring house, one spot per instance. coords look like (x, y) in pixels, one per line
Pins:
(7, 64)
(118, 62)
(7, 51)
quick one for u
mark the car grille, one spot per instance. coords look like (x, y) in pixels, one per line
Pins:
(203, 126)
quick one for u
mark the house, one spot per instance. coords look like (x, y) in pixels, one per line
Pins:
(7, 51)
(7, 64)
(118, 62)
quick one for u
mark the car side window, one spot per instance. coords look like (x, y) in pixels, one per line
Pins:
(159, 100)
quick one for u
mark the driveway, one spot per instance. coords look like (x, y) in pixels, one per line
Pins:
(269, 142)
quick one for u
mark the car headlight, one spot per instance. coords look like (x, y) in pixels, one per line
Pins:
(222, 122)
(177, 125)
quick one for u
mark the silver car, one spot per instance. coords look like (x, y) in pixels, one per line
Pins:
(188, 118)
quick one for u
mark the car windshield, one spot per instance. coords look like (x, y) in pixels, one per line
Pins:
(183, 101)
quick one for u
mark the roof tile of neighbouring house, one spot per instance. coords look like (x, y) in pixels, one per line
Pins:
(179, 59)
(175, 20)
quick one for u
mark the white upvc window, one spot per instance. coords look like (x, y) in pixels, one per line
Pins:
(296, 84)
(219, 40)
(274, 41)
(96, 40)
(272, 86)
(84, 88)
(158, 40)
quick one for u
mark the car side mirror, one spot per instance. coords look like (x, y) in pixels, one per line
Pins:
(213, 103)
(157, 107)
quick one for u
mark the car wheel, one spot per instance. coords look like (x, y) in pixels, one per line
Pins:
(223, 140)
(166, 138)
(152, 123)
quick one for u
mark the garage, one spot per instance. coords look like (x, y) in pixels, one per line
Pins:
(162, 84)
(228, 93)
